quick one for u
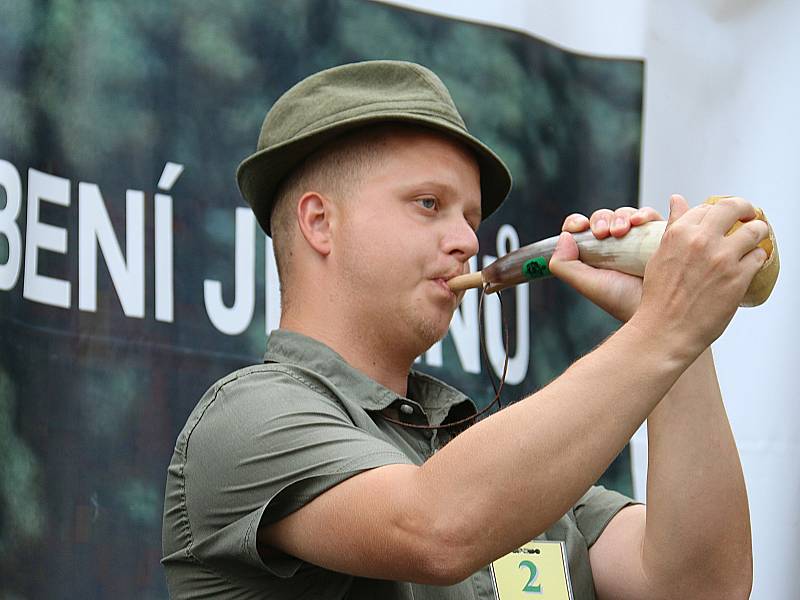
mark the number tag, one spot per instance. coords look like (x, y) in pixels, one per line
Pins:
(537, 571)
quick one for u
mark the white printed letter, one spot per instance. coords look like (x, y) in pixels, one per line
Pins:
(11, 183)
(507, 241)
(165, 302)
(36, 287)
(272, 310)
(236, 319)
(95, 229)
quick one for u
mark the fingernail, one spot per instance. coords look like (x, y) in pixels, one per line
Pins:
(618, 222)
(601, 224)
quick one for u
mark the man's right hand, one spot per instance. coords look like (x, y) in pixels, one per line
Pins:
(694, 282)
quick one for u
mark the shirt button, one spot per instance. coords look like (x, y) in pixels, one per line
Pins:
(406, 409)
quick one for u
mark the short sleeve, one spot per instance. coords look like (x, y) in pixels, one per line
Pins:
(268, 443)
(595, 510)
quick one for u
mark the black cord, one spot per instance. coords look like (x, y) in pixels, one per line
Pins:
(497, 389)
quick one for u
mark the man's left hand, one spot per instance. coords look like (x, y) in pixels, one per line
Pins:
(617, 293)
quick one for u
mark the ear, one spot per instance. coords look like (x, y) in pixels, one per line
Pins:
(314, 214)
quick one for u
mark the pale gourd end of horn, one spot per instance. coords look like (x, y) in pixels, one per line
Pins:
(764, 280)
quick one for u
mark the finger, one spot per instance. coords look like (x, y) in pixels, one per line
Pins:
(722, 215)
(644, 215)
(748, 236)
(565, 263)
(622, 221)
(575, 223)
(566, 249)
(751, 263)
(600, 222)
(694, 216)
(678, 207)
(754, 260)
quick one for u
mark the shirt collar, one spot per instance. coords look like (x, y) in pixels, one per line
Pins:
(435, 397)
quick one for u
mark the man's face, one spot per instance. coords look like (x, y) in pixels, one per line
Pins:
(407, 228)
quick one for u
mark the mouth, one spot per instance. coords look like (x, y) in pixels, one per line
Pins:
(442, 278)
(441, 283)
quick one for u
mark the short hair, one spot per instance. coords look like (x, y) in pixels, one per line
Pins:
(335, 170)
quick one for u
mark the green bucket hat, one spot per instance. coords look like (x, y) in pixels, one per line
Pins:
(344, 98)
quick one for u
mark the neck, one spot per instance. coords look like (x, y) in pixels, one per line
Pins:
(380, 360)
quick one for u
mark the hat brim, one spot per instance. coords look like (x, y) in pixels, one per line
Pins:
(260, 174)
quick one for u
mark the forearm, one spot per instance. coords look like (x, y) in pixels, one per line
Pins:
(698, 522)
(515, 473)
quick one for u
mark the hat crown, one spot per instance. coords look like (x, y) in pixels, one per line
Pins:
(352, 91)
(325, 105)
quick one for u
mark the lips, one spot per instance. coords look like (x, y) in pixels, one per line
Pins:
(448, 275)
(442, 283)
(442, 277)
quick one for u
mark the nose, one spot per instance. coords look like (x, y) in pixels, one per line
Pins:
(461, 240)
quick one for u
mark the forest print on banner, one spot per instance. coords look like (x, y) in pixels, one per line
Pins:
(132, 275)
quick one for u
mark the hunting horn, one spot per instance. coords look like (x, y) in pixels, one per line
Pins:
(628, 254)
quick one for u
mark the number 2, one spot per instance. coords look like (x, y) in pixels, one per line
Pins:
(535, 589)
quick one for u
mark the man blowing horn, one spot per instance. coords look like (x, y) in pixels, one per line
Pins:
(300, 477)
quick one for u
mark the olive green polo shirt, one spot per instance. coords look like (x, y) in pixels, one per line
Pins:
(267, 439)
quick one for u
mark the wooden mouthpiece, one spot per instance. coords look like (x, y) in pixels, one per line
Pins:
(466, 281)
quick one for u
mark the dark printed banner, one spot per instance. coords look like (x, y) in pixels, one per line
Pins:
(132, 275)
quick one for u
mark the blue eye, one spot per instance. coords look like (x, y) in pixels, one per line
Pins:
(427, 203)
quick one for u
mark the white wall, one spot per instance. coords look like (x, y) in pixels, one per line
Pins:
(723, 80)
(722, 93)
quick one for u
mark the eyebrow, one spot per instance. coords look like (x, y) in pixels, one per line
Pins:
(429, 183)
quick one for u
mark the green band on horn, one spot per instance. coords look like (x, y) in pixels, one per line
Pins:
(535, 268)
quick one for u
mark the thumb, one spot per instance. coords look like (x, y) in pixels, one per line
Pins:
(566, 249)
(677, 208)
(565, 263)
